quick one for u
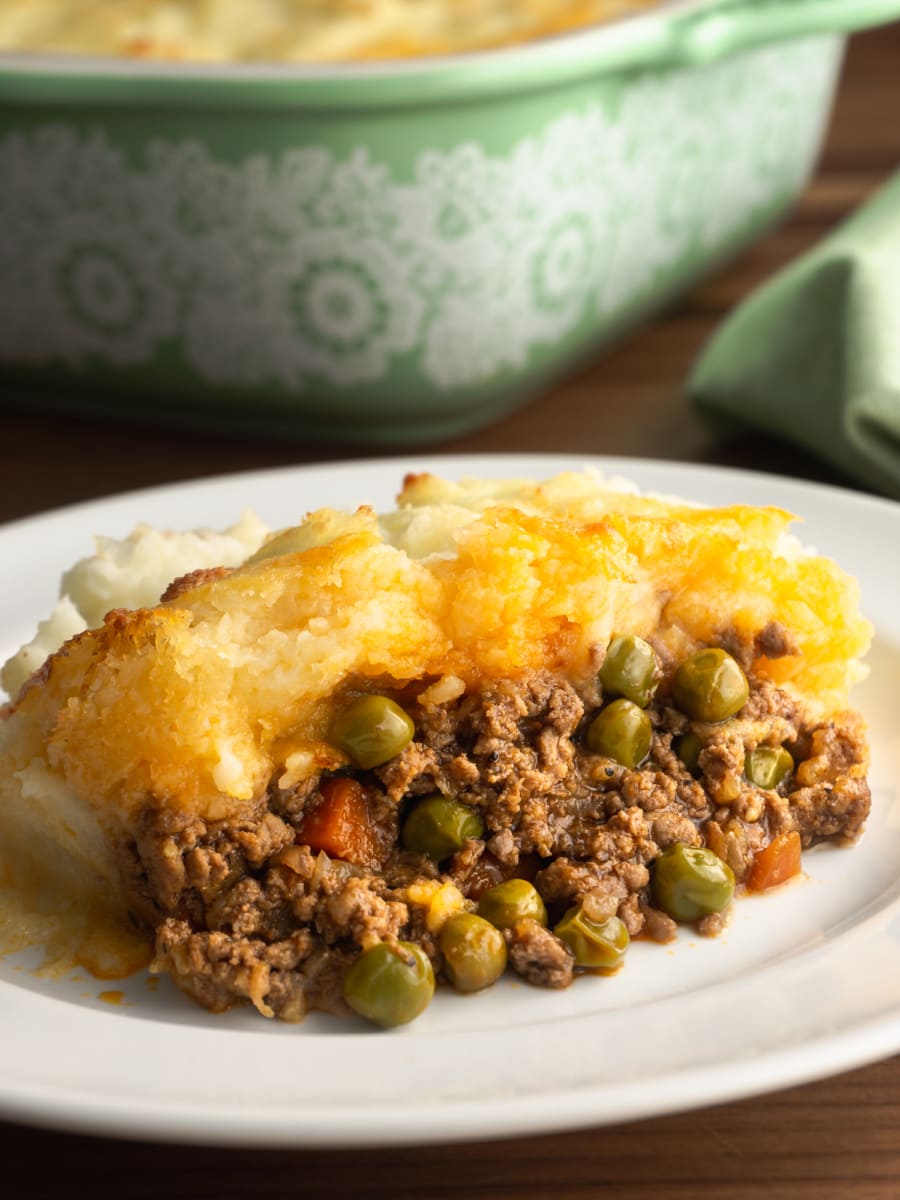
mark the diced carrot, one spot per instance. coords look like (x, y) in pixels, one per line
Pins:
(778, 862)
(341, 823)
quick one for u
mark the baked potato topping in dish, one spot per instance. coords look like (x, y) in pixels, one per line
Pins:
(290, 30)
(507, 726)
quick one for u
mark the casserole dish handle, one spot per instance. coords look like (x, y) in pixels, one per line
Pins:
(735, 25)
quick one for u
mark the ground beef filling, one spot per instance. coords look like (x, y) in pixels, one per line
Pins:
(245, 911)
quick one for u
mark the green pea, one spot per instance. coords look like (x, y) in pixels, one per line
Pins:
(390, 984)
(439, 826)
(767, 766)
(688, 747)
(710, 686)
(689, 882)
(511, 901)
(595, 944)
(474, 952)
(372, 730)
(621, 731)
(629, 669)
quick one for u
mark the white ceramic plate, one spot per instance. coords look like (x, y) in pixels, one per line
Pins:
(805, 982)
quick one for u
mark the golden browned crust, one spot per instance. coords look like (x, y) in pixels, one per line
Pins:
(193, 579)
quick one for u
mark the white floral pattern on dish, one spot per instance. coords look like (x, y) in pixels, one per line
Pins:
(302, 267)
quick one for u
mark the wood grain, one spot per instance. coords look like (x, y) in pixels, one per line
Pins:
(829, 1140)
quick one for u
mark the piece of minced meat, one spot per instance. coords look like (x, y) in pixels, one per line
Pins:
(538, 955)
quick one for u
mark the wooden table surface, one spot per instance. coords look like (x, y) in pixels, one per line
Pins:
(838, 1138)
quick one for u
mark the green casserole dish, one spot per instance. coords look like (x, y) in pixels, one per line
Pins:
(390, 252)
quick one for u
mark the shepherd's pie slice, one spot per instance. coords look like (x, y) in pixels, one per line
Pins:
(507, 723)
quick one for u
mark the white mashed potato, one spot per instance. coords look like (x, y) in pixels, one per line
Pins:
(130, 572)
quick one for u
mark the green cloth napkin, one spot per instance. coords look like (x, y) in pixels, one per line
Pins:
(814, 355)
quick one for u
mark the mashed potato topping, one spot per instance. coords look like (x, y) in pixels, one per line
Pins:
(468, 580)
(289, 30)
